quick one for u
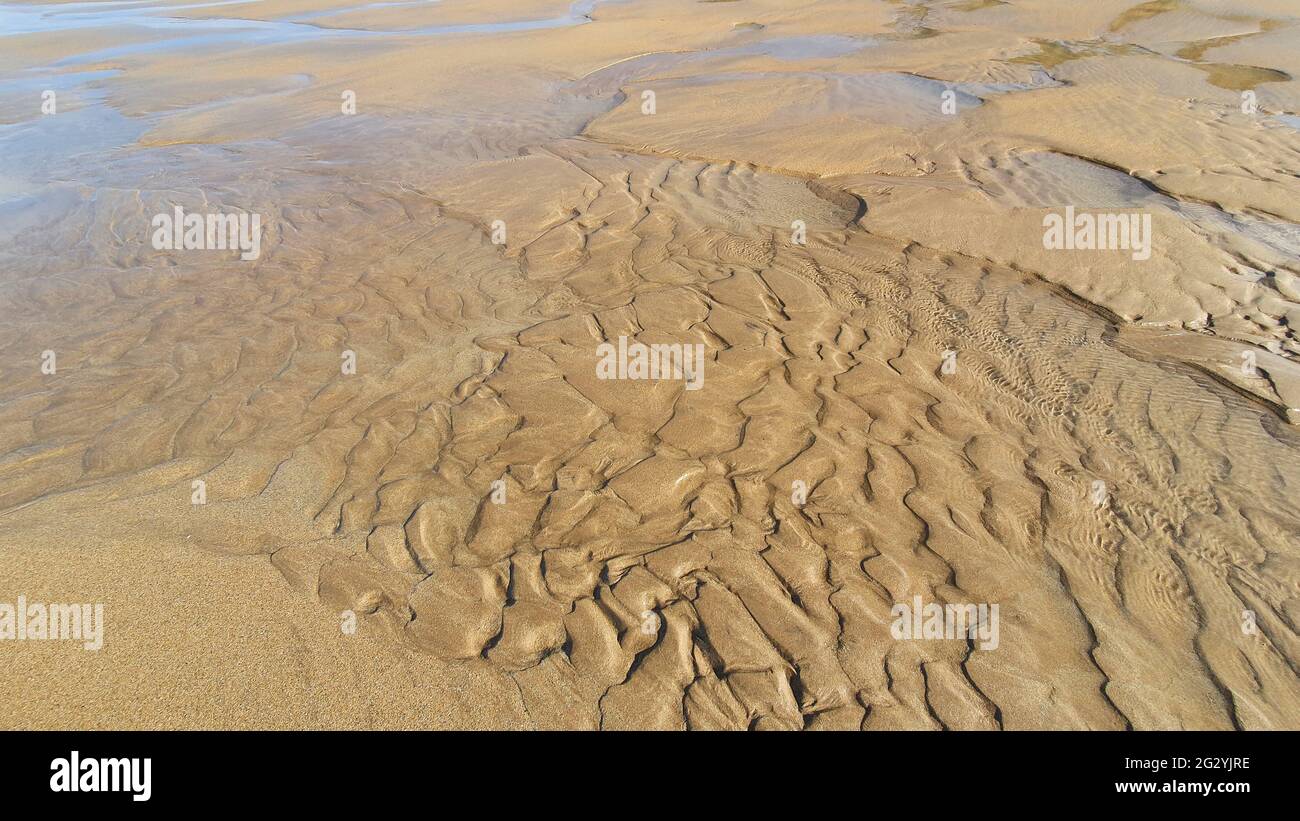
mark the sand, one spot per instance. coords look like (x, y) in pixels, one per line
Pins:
(398, 420)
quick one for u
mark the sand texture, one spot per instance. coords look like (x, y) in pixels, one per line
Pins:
(397, 414)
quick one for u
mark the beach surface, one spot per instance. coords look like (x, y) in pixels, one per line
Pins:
(371, 473)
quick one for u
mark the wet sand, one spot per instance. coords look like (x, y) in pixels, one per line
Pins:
(907, 394)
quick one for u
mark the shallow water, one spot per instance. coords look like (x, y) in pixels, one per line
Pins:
(1289, 120)
(180, 32)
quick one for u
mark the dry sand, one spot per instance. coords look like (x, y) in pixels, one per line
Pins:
(1094, 458)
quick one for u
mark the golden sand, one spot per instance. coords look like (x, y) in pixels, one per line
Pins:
(396, 415)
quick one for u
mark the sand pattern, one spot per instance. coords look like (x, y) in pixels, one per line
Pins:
(913, 398)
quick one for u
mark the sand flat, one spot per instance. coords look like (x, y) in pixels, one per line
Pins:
(396, 410)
